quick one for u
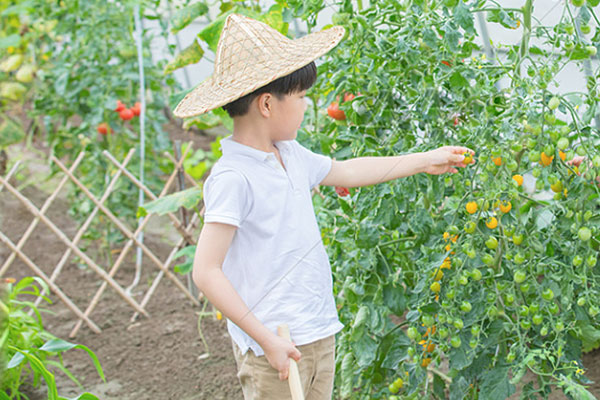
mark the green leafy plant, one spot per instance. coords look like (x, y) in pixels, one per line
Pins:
(457, 286)
(29, 352)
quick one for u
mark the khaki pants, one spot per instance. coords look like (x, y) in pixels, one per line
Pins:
(260, 381)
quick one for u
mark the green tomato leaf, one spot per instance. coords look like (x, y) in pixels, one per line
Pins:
(190, 55)
(495, 384)
(184, 16)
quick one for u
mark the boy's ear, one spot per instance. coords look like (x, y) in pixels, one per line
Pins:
(264, 102)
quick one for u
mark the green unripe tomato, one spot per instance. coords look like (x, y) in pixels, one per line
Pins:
(585, 29)
(537, 319)
(544, 331)
(536, 172)
(455, 342)
(492, 311)
(559, 326)
(591, 50)
(523, 311)
(518, 239)
(450, 294)
(534, 307)
(584, 233)
(510, 357)
(413, 333)
(427, 320)
(581, 151)
(473, 343)
(465, 306)
(525, 286)
(554, 308)
(563, 143)
(443, 332)
(549, 149)
(491, 243)
(554, 103)
(547, 294)
(509, 298)
(463, 280)
(525, 324)
(476, 274)
(534, 156)
(570, 29)
(591, 260)
(519, 276)
(488, 259)
(593, 311)
(578, 3)
(470, 252)
(577, 260)
(519, 258)
(470, 227)
(581, 301)
(475, 329)
(458, 323)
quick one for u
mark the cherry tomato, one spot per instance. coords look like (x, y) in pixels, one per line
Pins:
(519, 276)
(491, 243)
(455, 342)
(548, 294)
(537, 319)
(334, 111)
(465, 306)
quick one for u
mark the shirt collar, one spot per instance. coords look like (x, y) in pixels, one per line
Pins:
(231, 147)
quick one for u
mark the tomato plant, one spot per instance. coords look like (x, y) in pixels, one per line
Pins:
(503, 293)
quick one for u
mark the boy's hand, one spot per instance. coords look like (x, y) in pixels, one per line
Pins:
(278, 353)
(446, 159)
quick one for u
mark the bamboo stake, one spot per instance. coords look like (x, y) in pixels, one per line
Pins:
(34, 210)
(118, 263)
(176, 223)
(125, 230)
(87, 223)
(10, 174)
(160, 275)
(294, 374)
(65, 299)
(36, 220)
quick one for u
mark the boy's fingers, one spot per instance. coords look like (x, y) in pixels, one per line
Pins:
(283, 374)
(295, 354)
(456, 158)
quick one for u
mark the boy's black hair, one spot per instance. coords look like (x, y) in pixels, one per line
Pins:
(297, 81)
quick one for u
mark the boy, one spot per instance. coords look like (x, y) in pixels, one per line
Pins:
(260, 258)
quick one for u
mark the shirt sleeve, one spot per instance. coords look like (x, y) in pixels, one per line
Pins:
(226, 195)
(317, 165)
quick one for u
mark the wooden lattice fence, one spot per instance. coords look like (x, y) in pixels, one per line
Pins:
(104, 273)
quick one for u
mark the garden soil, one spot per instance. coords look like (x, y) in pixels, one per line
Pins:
(160, 357)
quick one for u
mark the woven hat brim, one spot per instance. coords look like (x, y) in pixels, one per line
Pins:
(216, 91)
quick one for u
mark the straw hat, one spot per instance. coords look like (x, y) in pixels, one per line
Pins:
(250, 55)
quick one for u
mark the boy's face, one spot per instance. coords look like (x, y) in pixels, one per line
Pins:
(287, 116)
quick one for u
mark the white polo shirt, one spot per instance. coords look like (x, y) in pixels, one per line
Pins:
(276, 262)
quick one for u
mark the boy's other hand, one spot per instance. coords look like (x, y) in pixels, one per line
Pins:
(278, 353)
(446, 159)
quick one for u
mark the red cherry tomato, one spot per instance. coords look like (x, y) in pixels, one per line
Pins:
(120, 106)
(334, 111)
(126, 114)
(103, 128)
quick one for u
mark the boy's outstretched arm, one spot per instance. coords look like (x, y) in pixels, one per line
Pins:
(208, 275)
(365, 171)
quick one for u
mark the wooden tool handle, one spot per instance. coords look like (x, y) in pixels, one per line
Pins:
(294, 374)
